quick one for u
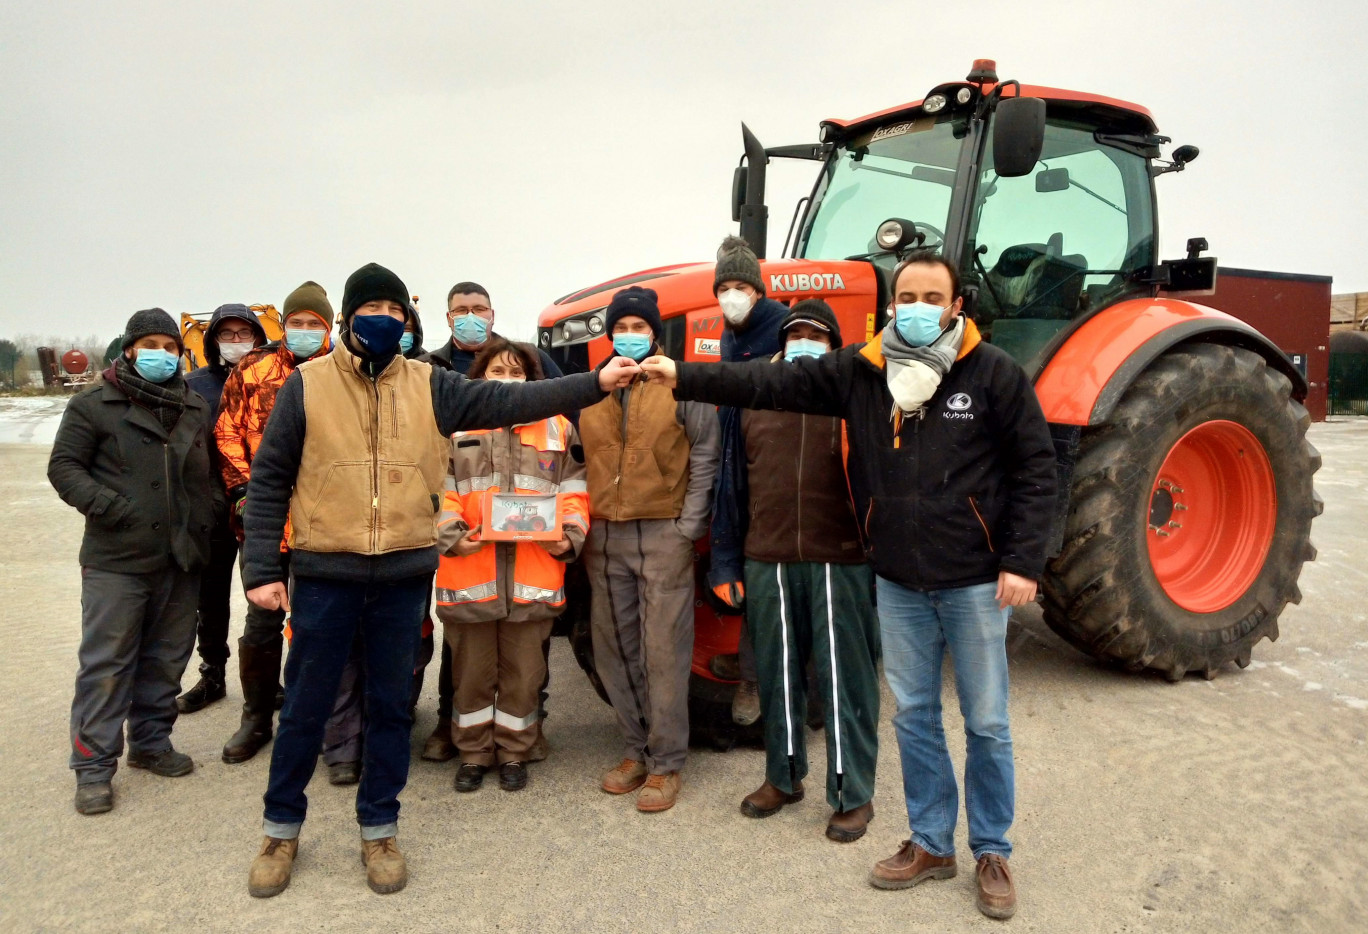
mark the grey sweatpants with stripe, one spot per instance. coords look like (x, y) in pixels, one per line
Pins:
(137, 633)
(642, 576)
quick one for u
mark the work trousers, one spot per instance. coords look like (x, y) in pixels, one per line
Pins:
(342, 732)
(327, 618)
(137, 634)
(822, 613)
(264, 627)
(215, 598)
(498, 668)
(642, 620)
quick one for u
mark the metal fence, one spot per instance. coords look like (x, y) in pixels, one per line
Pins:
(1348, 384)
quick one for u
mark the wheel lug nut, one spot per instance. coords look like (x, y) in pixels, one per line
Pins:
(1175, 525)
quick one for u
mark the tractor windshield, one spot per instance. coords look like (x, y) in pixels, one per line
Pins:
(904, 169)
(1066, 239)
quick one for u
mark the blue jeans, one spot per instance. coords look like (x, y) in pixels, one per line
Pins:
(326, 617)
(916, 628)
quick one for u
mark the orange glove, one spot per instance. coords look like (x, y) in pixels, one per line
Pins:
(733, 594)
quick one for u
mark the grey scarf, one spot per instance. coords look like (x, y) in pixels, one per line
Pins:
(914, 373)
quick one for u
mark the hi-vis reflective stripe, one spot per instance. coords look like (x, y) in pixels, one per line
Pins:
(523, 481)
(554, 441)
(574, 486)
(476, 718)
(478, 484)
(517, 724)
(529, 594)
(469, 594)
(574, 518)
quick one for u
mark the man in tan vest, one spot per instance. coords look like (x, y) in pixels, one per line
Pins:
(651, 462)
(350, 454)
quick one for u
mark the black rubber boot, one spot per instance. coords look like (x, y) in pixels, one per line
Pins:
(259, 666)
(210, 687)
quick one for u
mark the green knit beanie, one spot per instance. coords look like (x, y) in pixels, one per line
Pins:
(736, 260)
(309, 297)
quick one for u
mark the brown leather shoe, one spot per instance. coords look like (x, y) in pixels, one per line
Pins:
(849, 826)
(996, 892)
(439, 747)
(270, 872)
(659, 792)
(767, 800)
(910, 866)
(626, 776)
(386, 871)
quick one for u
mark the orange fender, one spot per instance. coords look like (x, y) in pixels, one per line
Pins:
(1083, 380)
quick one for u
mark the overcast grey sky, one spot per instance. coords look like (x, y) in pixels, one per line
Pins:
(190, 154)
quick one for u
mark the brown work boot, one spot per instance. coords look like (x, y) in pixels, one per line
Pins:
(386, 871)
(849, 826)
(746, 703)
(270, 872)
(439, 747)
(767, 800)
(539, 750)
(659, 792)
(996, 893)
(626, 776)
(910, 866)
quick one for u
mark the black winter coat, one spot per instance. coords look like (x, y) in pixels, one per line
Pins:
(968, 490)
(149, 500)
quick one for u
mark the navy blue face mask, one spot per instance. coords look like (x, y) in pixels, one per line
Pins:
(377, 334)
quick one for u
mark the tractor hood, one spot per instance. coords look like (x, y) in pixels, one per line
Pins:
(687, 303)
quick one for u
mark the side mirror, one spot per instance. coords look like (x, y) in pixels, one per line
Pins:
(1018, 135)
(738, 193)
(1052, 180)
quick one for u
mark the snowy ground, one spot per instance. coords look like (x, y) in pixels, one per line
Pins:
(30, 419)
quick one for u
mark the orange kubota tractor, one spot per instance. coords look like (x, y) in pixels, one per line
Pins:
(1179, 429)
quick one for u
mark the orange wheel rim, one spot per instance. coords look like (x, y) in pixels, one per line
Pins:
(1213, 510)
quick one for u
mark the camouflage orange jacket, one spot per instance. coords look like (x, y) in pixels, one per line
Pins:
(248, 397)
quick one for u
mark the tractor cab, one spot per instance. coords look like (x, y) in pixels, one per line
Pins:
(1043, 198)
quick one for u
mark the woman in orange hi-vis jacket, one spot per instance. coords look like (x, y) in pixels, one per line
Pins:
(497, 600)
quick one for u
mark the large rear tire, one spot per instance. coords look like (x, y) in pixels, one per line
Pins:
(1190, 517)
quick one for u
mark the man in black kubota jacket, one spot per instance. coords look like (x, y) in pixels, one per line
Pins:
(354, 455)
(953, 475)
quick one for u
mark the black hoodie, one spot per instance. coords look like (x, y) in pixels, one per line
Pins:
(208, 380)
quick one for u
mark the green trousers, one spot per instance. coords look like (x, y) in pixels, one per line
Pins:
(803, 610)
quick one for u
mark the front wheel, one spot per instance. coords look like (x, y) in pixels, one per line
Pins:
(1190, 517)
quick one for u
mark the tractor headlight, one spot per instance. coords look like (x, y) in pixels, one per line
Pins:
(934, 104)
(890, 234)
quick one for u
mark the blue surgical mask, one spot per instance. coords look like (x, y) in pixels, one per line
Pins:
(304, 342)
(802, 347)
(470, 329)
(406, 342)
(378, 335)
(156, 366)
(918, 323)
(635, 346)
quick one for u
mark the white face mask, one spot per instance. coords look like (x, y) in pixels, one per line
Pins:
(736, 305)
(233, 352)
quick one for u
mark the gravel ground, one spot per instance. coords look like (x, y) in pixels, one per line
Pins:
(1239, 804)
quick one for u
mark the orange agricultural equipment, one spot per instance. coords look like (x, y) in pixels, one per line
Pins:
(1179, 429)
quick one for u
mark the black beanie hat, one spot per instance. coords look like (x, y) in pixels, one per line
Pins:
(736, 260)
(635, 300)
(817, 313)
(371, 283)
(150, 321)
